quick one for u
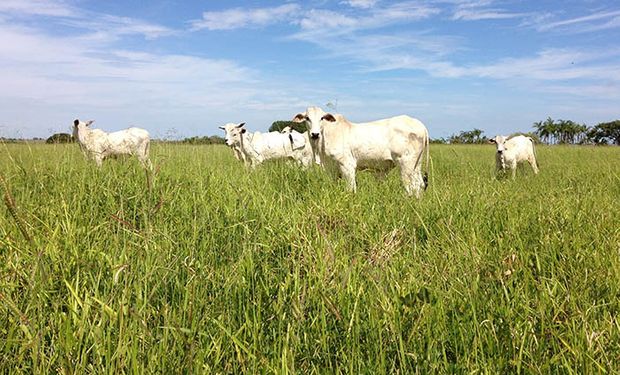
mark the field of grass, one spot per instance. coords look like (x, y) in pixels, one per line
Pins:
(217, 270)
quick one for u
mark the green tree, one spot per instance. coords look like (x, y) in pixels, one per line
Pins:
(60, 138)
(560, 131)
(606, 132)
(469, 137)
(279, 125)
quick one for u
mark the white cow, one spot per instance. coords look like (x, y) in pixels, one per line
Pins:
(375, 145)
(258, 147)
(98, 144)
(301, 146)
(239, 155)
(514, 150)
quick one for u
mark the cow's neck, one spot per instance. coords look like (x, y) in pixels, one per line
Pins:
(334, 131)
(246, 144)
(82, 134)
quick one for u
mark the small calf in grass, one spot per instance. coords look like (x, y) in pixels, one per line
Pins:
(514, 150)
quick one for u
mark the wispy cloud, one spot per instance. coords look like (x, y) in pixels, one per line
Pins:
(102, 26)
(90, 70)
(476, 10)
(555, 65)
(319, 24)
(37, 7)
(484, 14)
(63, 65)
(592, 22)
(363, 4)
(237, 18)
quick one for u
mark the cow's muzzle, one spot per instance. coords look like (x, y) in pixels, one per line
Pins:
(314, 135)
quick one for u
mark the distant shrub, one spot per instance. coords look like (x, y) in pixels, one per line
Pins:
(206, 140)
(60, 138)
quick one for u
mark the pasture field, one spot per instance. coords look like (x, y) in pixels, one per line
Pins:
(217, 270)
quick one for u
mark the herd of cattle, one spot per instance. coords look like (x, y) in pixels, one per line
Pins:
(331, 141)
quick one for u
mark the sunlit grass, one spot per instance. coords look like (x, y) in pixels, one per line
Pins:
(217, 269)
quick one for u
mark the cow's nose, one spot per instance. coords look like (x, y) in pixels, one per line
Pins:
(314, 135)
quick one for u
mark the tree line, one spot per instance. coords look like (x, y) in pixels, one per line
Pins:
(550, 132)
(569, 132)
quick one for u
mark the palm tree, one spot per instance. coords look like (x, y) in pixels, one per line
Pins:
(551, 129)
(542, 131)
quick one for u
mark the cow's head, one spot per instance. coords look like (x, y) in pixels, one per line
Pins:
(315, 118)
(233, 133)
(500, 143)
(79, 125)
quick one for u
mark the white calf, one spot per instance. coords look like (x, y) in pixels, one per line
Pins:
(98, 144)
(302, 149)
(374, 145)
(239, 154)
(258, 147)
(514, 150)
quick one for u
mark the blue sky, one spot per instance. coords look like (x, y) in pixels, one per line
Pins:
(182, 68)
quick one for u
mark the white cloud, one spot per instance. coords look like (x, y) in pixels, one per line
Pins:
(65, 66)
(585, 23)
(114, 26)
(484, 14)
(103, 26)
(37, 7)
(363, 4)
(318, 24)
(237, 18)
(475, 10)
(84, 76)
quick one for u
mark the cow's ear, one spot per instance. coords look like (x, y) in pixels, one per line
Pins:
(243, 130)
(241, 125)
(221, 127)
(76, 122)
(329, 117)
(492, 140)
(89, 122)
(300, 117)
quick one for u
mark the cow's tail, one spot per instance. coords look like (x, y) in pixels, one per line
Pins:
(534, 149)
(428, 159)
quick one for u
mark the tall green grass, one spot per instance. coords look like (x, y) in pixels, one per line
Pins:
(217, 269)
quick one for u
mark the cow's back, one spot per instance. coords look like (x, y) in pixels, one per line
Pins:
(271, 145)
(519, 147)
(128, 140)
(386, 138)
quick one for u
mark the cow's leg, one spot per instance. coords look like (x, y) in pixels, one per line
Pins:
(347, 170)
(513, 168)
(146, 162)
(532, 162)
(500, 167)
(98, 159)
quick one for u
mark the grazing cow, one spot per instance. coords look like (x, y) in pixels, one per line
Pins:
(257, 147)
(98, 144)
(374, 145)
(239, 155)
(514, 150)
